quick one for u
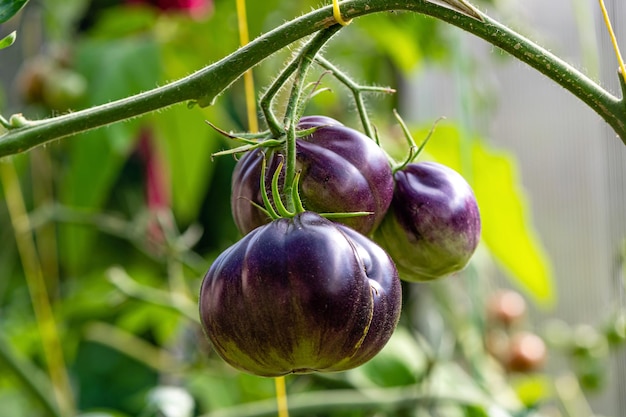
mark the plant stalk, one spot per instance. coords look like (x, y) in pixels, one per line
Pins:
(38, 291)
(318, 402)
(205, 85)
(306, 59)
(31, 377)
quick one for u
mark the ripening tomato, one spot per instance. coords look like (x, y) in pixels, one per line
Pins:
(432, 227)
(300, 295)
(342, 171)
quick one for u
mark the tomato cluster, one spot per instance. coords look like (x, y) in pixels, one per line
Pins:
(302, 293)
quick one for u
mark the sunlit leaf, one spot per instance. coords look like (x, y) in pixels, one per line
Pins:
(397, 42)
(8, 40)
(507, 227)
(9, 8)
(533, 389)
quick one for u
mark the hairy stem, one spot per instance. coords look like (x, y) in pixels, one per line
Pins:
(305, 59)
(206, 84)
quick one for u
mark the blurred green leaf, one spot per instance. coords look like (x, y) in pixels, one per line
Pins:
(9, 8)
(187, 143)
(102, 414)
(400, 363)
(123, 21)
(33, 380)
(392, 37)
(113, 69)
(7, 40)
(531, 389)
(110, 380)
(507, 227)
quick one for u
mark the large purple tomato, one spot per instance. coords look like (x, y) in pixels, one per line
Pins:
(342, 171)
(300, 295)
(433, 225)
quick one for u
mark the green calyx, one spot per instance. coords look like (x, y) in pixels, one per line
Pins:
(279, 209)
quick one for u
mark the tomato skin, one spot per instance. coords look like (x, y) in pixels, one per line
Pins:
(342, 171)
(300, 295)
(433, 225)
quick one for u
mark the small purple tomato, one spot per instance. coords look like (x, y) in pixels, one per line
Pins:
(300, 295)
(342, 171)
(433, 225)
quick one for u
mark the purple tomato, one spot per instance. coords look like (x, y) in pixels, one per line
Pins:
(433, 225)
(342, 171)
(300, 295)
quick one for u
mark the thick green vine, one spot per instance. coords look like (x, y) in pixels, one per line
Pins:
(205, 85)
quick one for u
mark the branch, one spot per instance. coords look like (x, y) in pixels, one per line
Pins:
(205, 85)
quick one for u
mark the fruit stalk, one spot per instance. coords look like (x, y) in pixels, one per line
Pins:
(306, 59)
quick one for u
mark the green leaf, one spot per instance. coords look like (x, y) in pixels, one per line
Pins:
(533, 389)
(507, 227)
(113, 69)
(402, 362)
(393, 38)
(9, 8)
(185, 140)
(8, 40)
(187, 144)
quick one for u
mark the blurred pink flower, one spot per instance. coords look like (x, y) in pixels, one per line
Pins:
(195, 8)
(157, 195)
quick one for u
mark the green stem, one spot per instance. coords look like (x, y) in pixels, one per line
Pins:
(273, 124)
(32, 379)
(357, 91)
(37, 289)
(306, 59)
(178, 302)
(309, 403)
(205, 85)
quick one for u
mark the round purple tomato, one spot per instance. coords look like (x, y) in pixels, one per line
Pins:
(342, 171)
(432, 227)
(300, 295)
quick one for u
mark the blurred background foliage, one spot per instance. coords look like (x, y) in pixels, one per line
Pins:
(126, 219)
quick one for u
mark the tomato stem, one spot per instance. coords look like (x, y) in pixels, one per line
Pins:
(305, 59)
(357, 91)
(414, 150)
(266, 100)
